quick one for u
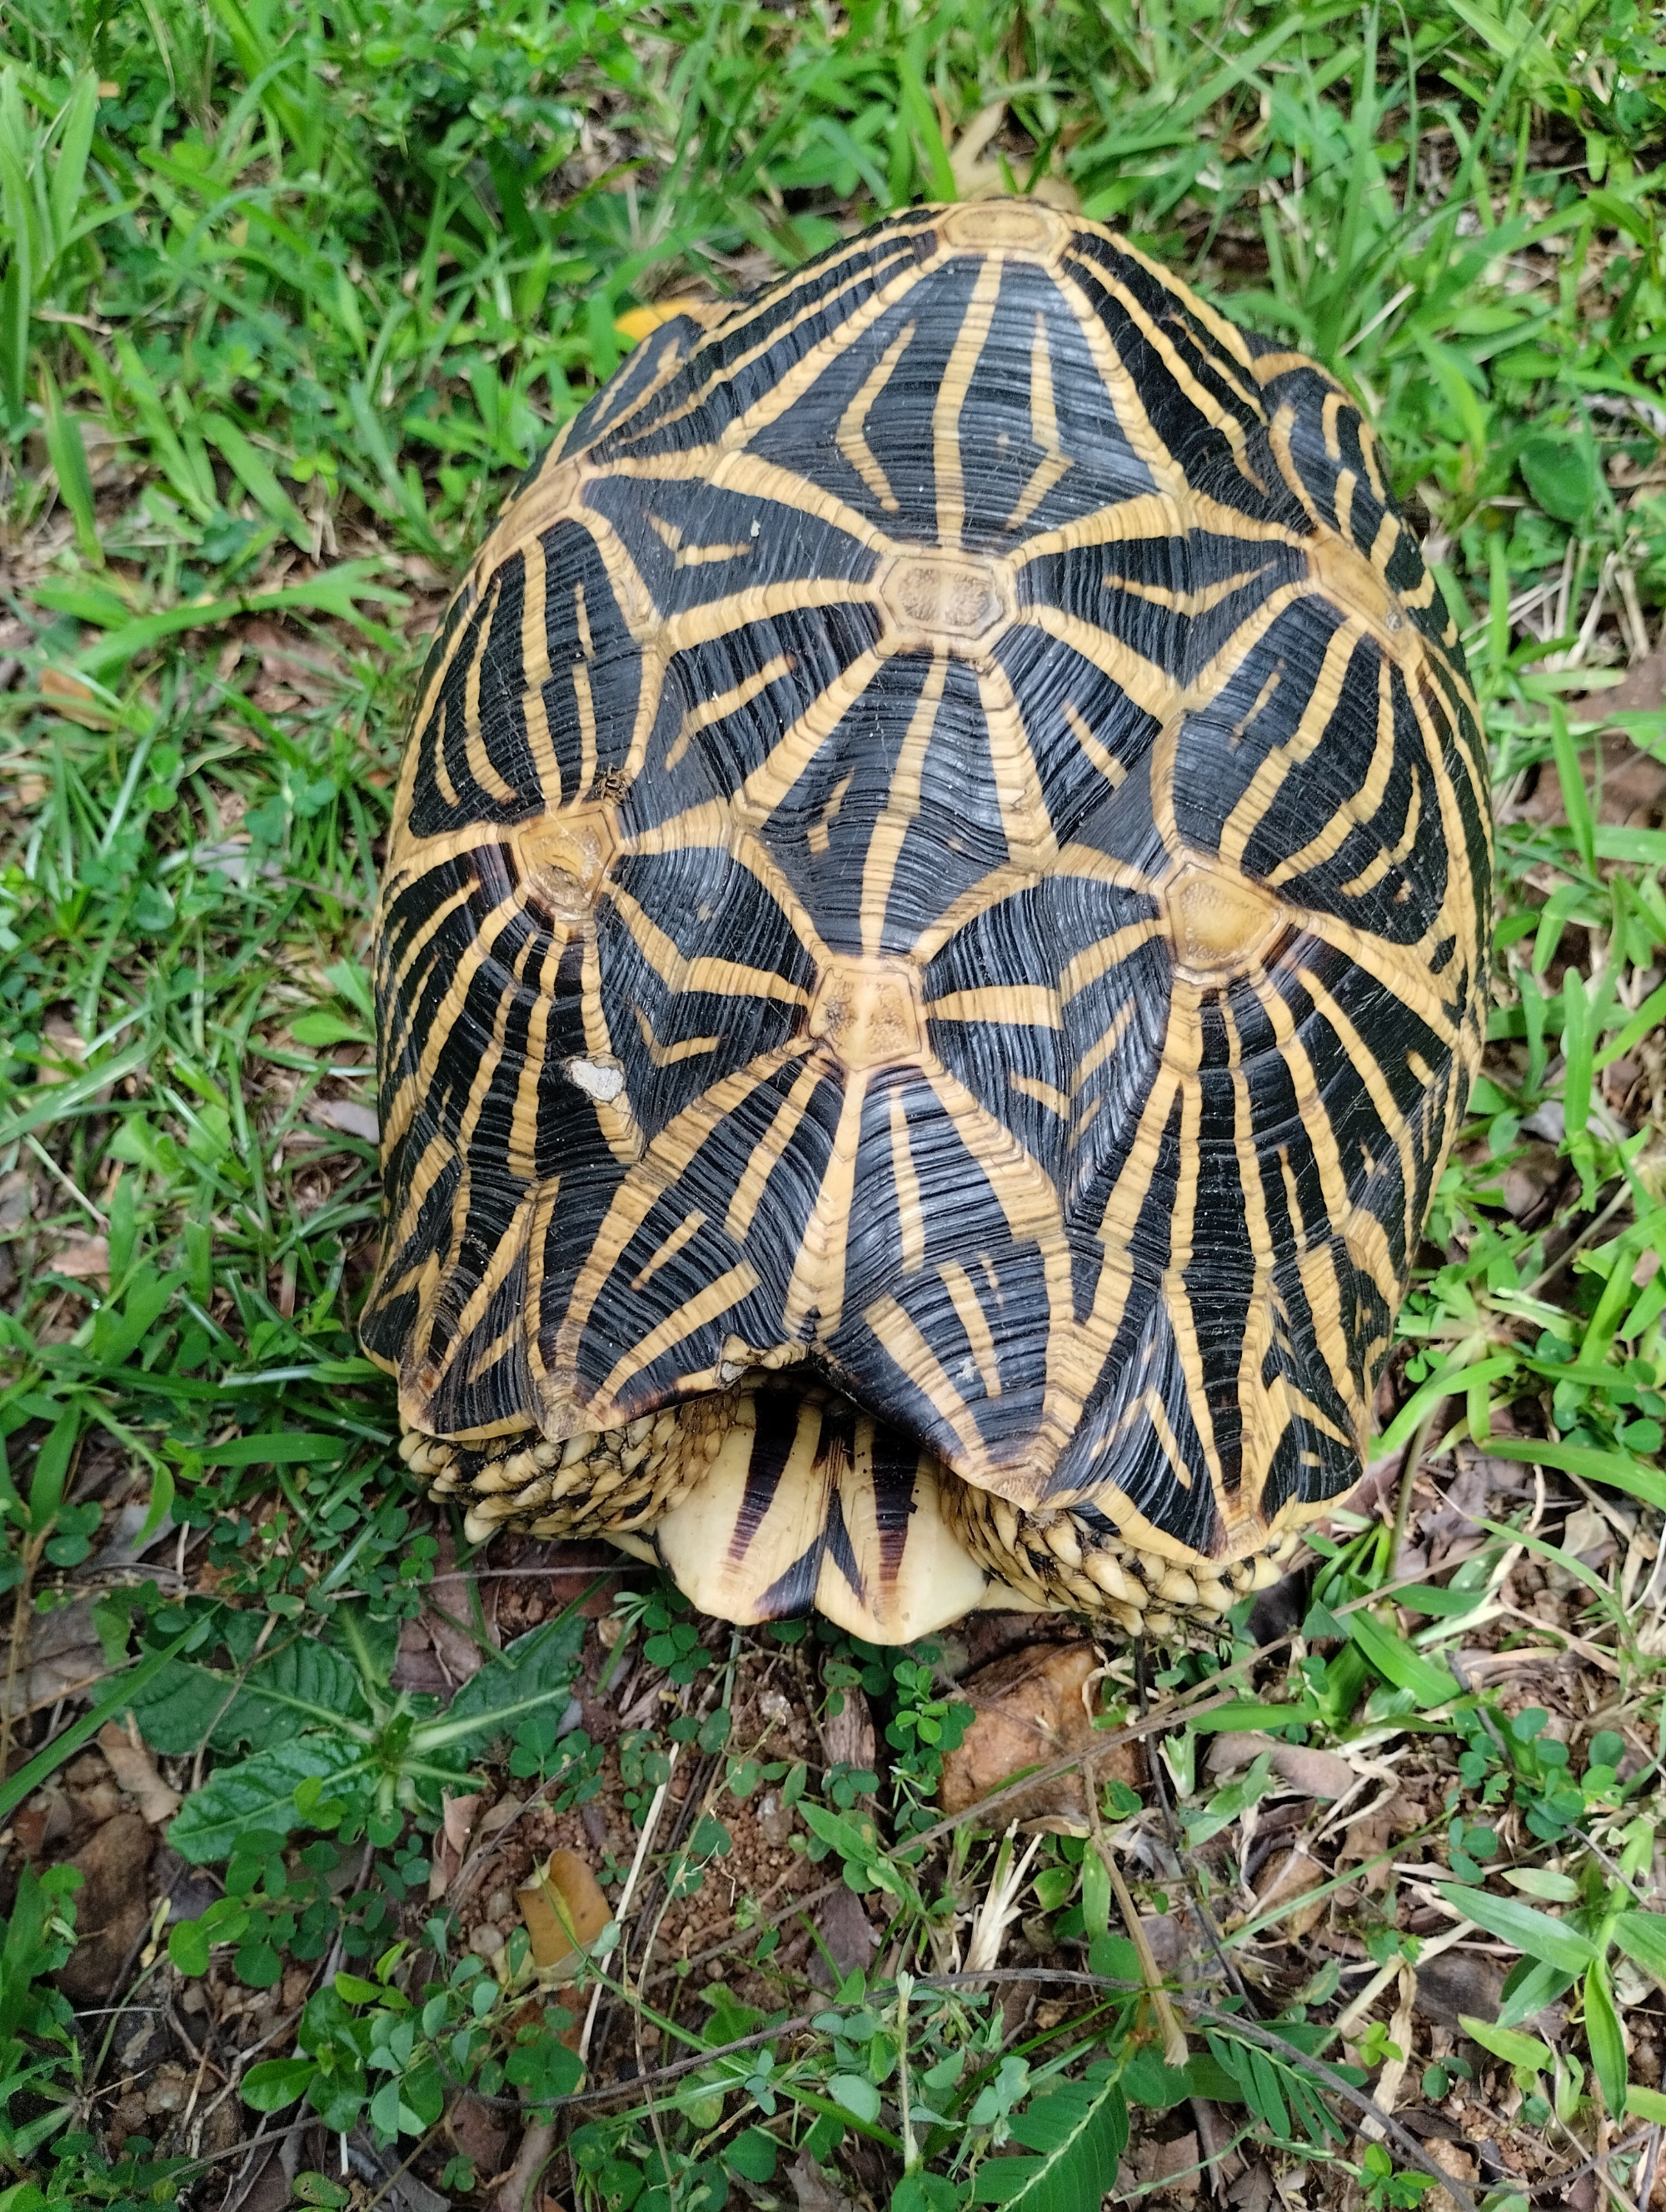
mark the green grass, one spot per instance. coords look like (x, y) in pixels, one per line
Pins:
(287, 297)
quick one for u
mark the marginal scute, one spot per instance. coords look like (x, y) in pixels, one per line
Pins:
(1358, 586)
(1009, 226)
(933, 949)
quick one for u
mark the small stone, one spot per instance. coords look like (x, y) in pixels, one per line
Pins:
(774, 1820)
(486, 1941)
(169, 2090)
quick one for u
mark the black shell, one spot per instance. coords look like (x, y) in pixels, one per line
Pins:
(945, 837)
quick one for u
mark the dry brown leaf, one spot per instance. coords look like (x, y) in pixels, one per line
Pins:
(84, 1259)
(1030, 1710)
(1288, 1875)
(456, 1827)
(348, 1116)
(16, 1198)
(75, 701)
(814, 2189)
(135, 1772)
(1174, 2164)
(564, 1910)
(112, 1910)
(1455, 2159)
(1631, 791)
(1314, 1773)
(847, 1736)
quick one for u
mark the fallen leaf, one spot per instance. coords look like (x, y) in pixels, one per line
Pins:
(64, 1652)
(1314, 1773)
(1367, 1839)
(476, 2131)
(847, 1736)
(1632, 783)
(1029, 1711)
(75, 701)
(456, 1827)
(113, 1910)
(846, 1930)
(814, 2190)
(1457, 1983)
(16, 1197)
(1287, 1876)
(1174, 2165)
(135, 1772)
(1455, 2159)
(348, 1116)
(84, 1259)
(564, 1910)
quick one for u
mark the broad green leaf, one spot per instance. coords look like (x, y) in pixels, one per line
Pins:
(276, 2082)
(1397, 1661)
(855, 2094)
(1617, 1468)
(1077, 2132)
(1644, 2103)
(272, 1448)
(1506, 2042)
(305, 1683)
(1603, 2033)
(1529, 1986)
(324, 1028)
(258, 1792)
(189, 1947)
(1642, 1936)
(1563, 474)
(337, 592)
(1245, 1713)
(1535, 1934)
(1541, 1882)
(302, 1682)
(255, 473)
(532, 1671)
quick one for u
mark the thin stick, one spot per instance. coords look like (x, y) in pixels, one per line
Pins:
(656, 1806)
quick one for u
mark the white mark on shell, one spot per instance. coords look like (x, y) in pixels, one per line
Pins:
(597, 1079)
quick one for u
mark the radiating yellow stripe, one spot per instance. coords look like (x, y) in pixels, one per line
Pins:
(716, 1297)
(818, 1284)
(690, 1227)
(910, 1216)
(536, 670)
(1043, 428)
(1028, 1006)
(920, 1363)
(702, 717)
(760, 1165)
(902, 809)
(969, 1309)
(851, 438)
(947, 460)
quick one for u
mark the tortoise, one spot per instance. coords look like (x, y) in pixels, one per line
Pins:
(931, 950)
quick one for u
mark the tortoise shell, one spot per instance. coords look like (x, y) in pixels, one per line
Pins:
(932, 947)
